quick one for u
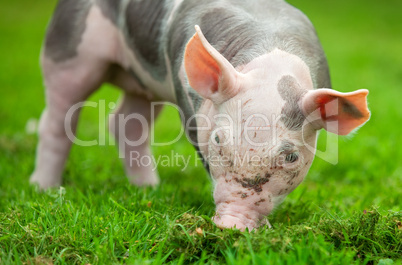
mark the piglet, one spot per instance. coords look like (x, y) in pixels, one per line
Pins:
(250, 78)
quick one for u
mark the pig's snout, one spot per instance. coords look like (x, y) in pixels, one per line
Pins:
(230, 221)
(237, 216)
(240, 207)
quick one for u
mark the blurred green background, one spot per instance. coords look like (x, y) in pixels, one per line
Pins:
(363, 44)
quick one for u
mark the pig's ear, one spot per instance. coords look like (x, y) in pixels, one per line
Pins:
(208, 72)
(334, 111)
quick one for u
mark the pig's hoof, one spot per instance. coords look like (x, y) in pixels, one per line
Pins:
(150, 181)
(228, 221)
(44, 183)
(266, 223)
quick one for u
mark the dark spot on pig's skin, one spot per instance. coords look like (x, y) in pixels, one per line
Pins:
(294, 175)
(254, 183)
(110, 9)
(291, 91)
(195, 99)
(144, 27)
(351, 109)
(259, 202)
(66, 28)
(283, 191)
(244, 195)
(290, 182)
(234, 41)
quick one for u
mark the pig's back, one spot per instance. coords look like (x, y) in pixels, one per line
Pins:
(291, 31)
(247, 29)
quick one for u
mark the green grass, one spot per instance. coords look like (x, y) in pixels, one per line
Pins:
(349, 213)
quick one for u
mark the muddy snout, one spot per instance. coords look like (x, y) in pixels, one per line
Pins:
(236, 215)
(232, 221)
(242, 202)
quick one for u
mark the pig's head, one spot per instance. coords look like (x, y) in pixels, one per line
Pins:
(258, 127)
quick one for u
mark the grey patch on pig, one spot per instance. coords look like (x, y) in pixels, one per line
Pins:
(234, 36)
(290, 91)
(144, 21)
(351, 109)
(323, 79)
(196, 99)
(242, 32)
(191, 13)
(188, 112)
(228, 28)
(180, 32)
(66, 28)
(110, 9)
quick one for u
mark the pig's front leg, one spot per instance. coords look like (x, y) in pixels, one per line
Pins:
(67, 83)
(131, 124)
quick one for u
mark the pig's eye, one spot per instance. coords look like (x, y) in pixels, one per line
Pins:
(291, 158)
(217, 139)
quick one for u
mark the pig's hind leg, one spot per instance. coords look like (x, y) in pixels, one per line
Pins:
(66, 84)
(131, 125)
(74, 64)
